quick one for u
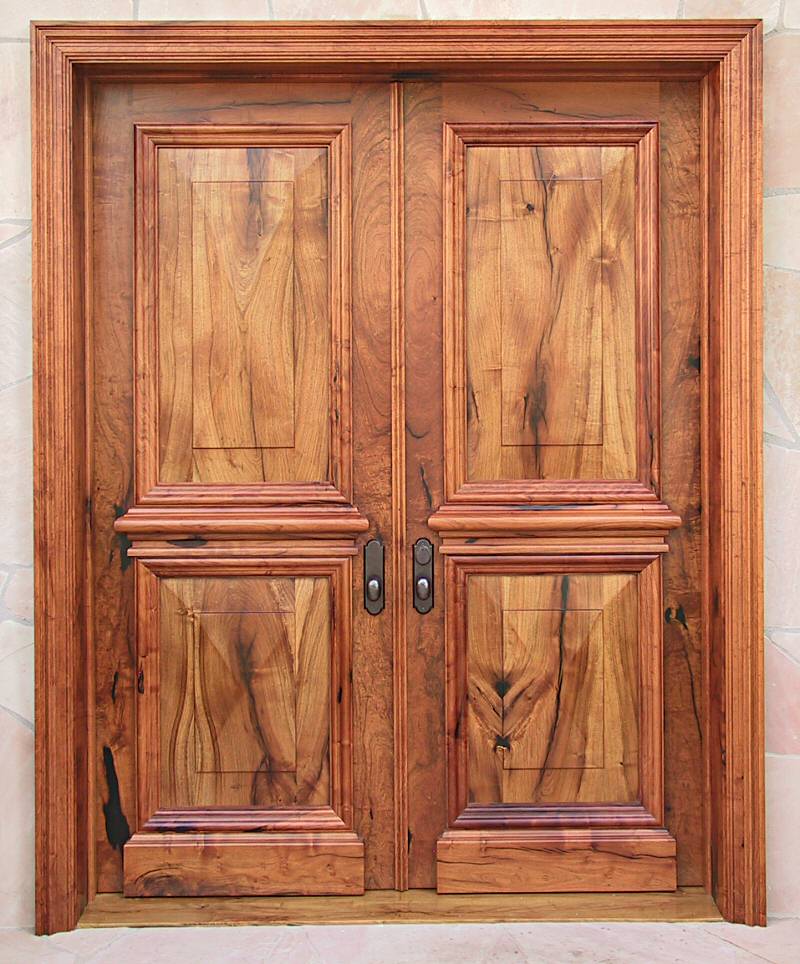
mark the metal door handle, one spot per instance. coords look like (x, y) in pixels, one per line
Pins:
(423, 576)
(373, 577)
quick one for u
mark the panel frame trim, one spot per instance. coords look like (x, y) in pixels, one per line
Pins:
(649, 810)
(642, 136)
(150, 815)
(149, 139)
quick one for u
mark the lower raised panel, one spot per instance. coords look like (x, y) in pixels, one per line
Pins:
(555, 732)
(244, 865)
(545, 861)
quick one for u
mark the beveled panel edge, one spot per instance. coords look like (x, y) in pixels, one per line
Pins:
(642, 135)
(586, 133)
(477, 816)
(232, 819)
(148, 138)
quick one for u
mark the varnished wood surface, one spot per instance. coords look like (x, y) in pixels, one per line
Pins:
(682, 320)
(531, 397)
(550, 376)
(393, 907)
(635, 677)
(213, 408)
(286, 721)
(731, 388)
(244, 692)
(599, 49)
(170, 113)
(552, 689)
(472, 523)
(254, 271)
(469, 862)
(732, 474)
(245, 864)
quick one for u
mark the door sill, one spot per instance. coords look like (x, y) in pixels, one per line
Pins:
(400, 907)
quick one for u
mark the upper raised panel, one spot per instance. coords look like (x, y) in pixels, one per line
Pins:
(551, 311)
(242, 314)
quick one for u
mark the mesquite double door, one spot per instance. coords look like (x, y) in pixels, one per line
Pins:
(333, 313)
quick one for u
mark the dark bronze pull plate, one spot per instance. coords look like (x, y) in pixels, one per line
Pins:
(423, 575)
(373, 577)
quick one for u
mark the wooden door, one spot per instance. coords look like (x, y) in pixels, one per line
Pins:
(552, 288)
(241, 277)
(301, 288)
(259, 729)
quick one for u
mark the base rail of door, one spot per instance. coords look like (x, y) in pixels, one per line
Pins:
(400, 907)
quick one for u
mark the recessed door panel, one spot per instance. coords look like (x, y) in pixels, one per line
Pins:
(244, 314)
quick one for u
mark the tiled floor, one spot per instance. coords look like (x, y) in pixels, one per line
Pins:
(414, 944)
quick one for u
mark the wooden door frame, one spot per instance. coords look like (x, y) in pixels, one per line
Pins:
(724, 55)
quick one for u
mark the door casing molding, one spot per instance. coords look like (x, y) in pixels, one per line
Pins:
(725, 55)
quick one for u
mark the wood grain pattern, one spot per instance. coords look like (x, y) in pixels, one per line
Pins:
(428, 108)
(589, 49)
(726, 54)
(244, 688)
(233, 755)
(245, 692)
(399, 559)
(266, 211)
(111, 491)
(498, 862)
(552, 689)
(390, 907)
(561, 382)
(242, 300)
(202, 865)
(374, 815)
(732, 481)
(423, 103)
(499, 815)
(682, 319)
(551, 250)
(360, 114)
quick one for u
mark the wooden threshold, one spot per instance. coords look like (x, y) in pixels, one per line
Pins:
(398, 907)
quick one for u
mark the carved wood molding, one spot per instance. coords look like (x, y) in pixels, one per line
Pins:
(535, 519)
(167, 522)
(727, 54)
